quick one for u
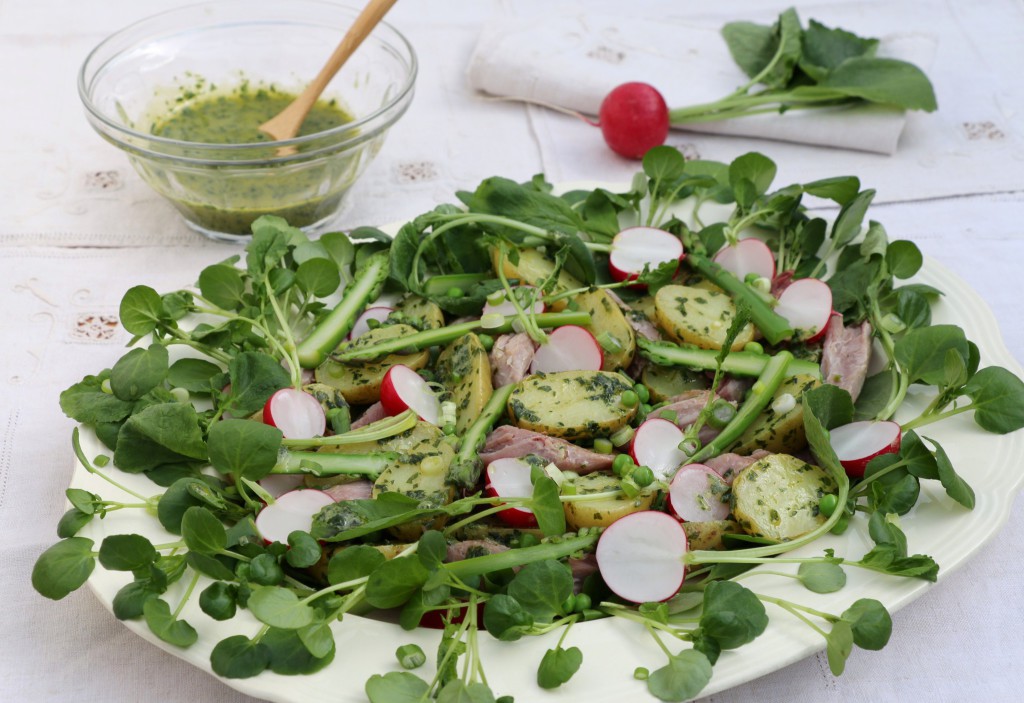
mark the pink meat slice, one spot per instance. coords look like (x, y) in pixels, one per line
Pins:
(687, 407)
(371, 414)
(353, 490)
(845, 355)
(729, 464)
(509, 441)
(510, 358)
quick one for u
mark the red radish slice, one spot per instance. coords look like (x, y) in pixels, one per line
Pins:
(859, 442)
(362, 324)
(279, 484)
(505, 307)
(292, 511)
(510, 478)
(403, 389)
(636, 247)
(569, 348)
(640, 556)
(296, 413)
(696, 494)
(806, 304)
(745, 257)
(655, 444)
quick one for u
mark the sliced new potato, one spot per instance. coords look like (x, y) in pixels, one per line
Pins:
(465, 370)
(534, 268)
(609, 325)
(571, 404)
(777, 497)
(603, 511)
(360, 382)
(645, 306)
(708, 534)
(780, 428)
(664, 382)
(421, 313)
(700, 317)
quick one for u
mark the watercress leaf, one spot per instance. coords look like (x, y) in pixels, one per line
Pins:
(318, 277)
(876, 240)
(244, 448)
(171, 507)
(353, 563)
(921, 352)
(831, 405)
(194, 375)
(913, 308)
(956, 487)
(165, 625)
(541, 588)
(130, 600)
(432, 550)
(238, 657)
(318, 638)
(955, 369)
(339, 247)
(663, 164)
(86, 402)
(254, 378)
(884, 558)
(396, 687)
(126, 552)
(997, 398)
(83, 500)
(840, 644)
(265, 570)
(140, 310)
(223, 286)
(63, 567)
(392, 583)
(138, 372)
(505, 618)
(755, 168)
(685, 675)
(501, 196)
(304, 550)
(870, 622)
(919, 459)
(288, 653)
(547, 507)
(558, 666)
(824, 49)
(839, 189)
(903, 258)
(280, 607)
(897, 496)
(203, 532)
(821, 577)
(883, 529)
(165, 433)
(851, 217)
(71, 522)
(732, 615)
(219, 600)
(883, 80)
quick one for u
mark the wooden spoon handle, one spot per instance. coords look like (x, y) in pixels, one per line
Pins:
(286, 124)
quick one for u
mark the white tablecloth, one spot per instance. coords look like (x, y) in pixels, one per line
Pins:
(79, 227)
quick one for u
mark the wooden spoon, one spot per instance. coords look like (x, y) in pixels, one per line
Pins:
(286, 124)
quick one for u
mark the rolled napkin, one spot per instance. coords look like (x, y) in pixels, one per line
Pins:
(573, 61)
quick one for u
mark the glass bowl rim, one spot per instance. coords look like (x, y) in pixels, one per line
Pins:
(117, 129)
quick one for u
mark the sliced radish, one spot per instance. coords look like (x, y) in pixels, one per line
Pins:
(510, 478)
(637, 247)
(403, 389)
(655, 444)
(362, 324)
(745, 257)
(859, 442)
(292, 511)
(296, 413)
(640, 556)
(806, 304)
(695, 494)
(279, 484)
(568, 348)
(505, 307)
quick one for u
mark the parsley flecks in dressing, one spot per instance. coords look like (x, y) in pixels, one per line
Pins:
(235, 117)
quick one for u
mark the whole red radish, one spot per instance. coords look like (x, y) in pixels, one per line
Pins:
(633, 119)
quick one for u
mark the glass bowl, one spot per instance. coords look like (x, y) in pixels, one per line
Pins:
(139, 75)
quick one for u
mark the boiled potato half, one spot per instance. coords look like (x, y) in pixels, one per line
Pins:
(601, 512)
(571, 404)
(777, 497)
(700, 317)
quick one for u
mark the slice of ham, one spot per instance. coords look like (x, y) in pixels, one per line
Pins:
(687, 407)
(513, 442)
(636, 319)
(371, 414)
(510, 358)
(729, 464)
(353, 490)
(582, 567)
(845, 355)
(734, 388)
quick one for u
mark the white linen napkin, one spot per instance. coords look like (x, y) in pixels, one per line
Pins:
(573, 60)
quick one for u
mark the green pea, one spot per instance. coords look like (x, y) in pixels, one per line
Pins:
(642, 392)
(629, 399)
(643, 476)
(455, 292)
(620, 464)
(582, 602)
(603, 445)
(754, 347)
(486, 340)
(828, 504)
